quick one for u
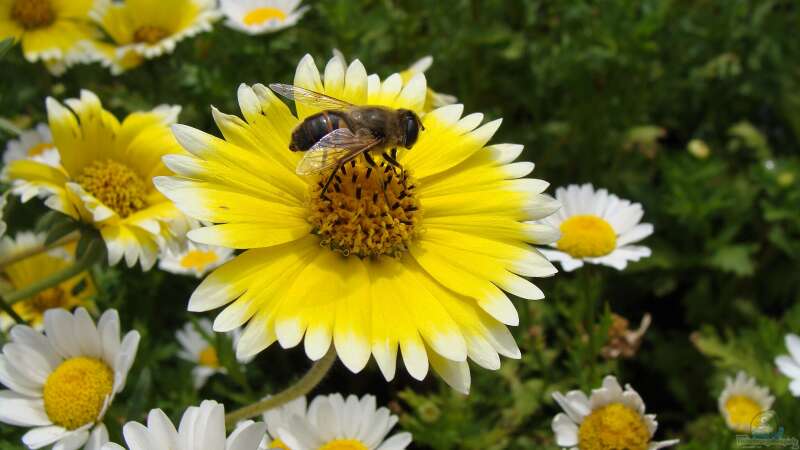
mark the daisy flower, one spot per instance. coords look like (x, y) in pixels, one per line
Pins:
(261, 16)
(106, 176)
(76, 291)
(598, 228)
(61, 383)
(196, 349)
(789, 365)
(433, 99)
(335, 423)
(49, 30)
(201, 428)
(742, 401)
(608, 419)
(280, 418)
(420, 263)
(149, 28)
(194, 259)
(36, 143)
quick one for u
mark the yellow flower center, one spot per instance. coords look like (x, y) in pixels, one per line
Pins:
(277, 443)
(198, 259)
(116, 185)
(54, 297)
(39, 149)
(33, 14)
(260, 15)
(344, 444)
(613, 427)
(149, 34)
(587, 236)
(75, 392)
(208, 357)
(741, 411)
(362, 215)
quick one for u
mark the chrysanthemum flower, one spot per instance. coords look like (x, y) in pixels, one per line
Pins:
(196, 349)
(106, 175)
(261, 16)
(609, 419)
(429, 256)
(61, 384)
(742, 401)
(335, 423)
(201, 428)
(194, 259)
(49, 30)
(149, 28)
(281, 418)
(789, 365)
(598, 228)
(31, 144)
(76, 291)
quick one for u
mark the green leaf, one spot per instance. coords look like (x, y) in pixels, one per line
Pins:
(736, 259)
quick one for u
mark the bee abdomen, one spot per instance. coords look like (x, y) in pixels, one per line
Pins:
(314, 128)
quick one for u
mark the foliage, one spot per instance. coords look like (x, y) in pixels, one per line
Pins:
(608, 92)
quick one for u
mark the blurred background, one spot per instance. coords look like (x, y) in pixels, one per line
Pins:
(690, 107)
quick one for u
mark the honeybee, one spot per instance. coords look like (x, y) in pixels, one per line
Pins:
(342, 132)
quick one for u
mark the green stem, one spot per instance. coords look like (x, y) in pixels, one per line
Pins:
(10, 311)
(303, 386)
(33, 251)
(92, 255)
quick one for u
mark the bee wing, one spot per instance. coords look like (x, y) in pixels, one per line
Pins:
(340, 145)
(309, 97)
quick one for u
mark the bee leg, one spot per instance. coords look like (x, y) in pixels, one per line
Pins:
(379, 173)
(392, 161)
(328, 182)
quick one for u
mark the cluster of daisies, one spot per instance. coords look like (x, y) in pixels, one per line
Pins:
(417, 265)
(123, 34)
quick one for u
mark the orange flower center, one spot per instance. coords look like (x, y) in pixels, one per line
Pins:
(116, 185)
(33, 14)
(149, 34)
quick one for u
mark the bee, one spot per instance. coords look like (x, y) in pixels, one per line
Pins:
(342, 132)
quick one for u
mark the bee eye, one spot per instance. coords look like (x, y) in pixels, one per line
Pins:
(410, 130)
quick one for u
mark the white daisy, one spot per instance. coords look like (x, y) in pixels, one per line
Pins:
(333, 423)
(36, 144)
(150, 29)
(789, 365)
(280, 418)
(608, 419)
(261, 16)
(61, 383)
(198, 350)
(201, 428)
(596, 227)
(742, 401)
(194, 259)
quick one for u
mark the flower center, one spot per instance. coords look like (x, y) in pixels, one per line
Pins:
(366, 211)
(198, 259)
(741, 411)
(260, 15)
(54, 297)
(208, 357)
(149, 34)
(613, 427)
(75, 392)
(586, 236)
(39, 149)
(279, 444)
(116, 185)
(33, 13)
(344, 444)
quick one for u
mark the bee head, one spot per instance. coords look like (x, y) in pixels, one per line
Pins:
(410, 126)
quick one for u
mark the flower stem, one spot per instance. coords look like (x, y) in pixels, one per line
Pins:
(93, 254)
(33, 251)
(304, 385)
(10, 311)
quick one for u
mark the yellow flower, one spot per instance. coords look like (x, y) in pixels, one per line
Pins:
(430, 254)
(106, 173)
(48, 29)
(742, 402)
(76, 291)
(148, 28)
